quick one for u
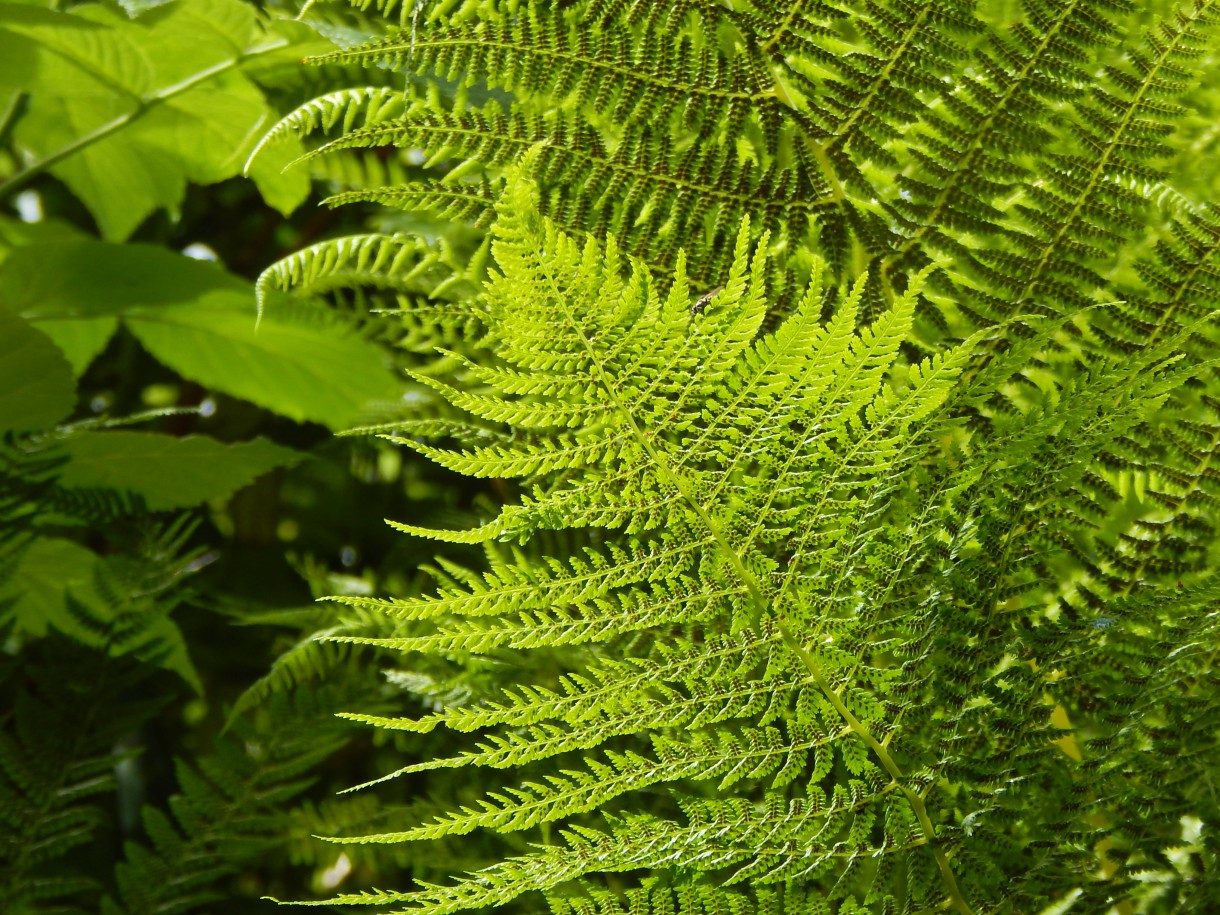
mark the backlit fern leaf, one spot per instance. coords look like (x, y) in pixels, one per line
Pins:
(401, 264)
(666, 380)
(365, 106)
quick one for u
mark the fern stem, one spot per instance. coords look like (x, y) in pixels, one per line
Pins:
(837, 198)
(818, 151)
(145, 104)
(865, 103)
(794, 10)
(757, 597)
(1184, 286)
(588, 61)
(891, 766)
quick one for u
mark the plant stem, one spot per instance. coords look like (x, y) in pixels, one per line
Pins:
(879, 750)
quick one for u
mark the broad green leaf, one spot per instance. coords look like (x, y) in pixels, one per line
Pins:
(15, 233)
(136, 7)
(18, 61)
(127, 111)
(282, 188)
(177, 37)
(168, 472)
(313, 370)
(89, 279)
(37, 388)
(47, 50)
(81, 340)
(300, 362)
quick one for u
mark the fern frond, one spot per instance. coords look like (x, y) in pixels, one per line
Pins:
(636, 348)
(457, 200)
(624, 77)
(390, 262)
(228, 810)
(623, 687)
(314, 655)
(684, 899)
(52, 768)
(366, 106)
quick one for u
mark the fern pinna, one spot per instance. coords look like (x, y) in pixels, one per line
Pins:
(862, 355)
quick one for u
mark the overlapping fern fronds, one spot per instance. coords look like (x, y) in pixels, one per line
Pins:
(650, 118)
(895, 133)
(657, 417)
(879, 394)
(230, 806)
(786, 515)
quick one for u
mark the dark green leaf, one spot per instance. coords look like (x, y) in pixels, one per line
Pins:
(200, 321)
(169, 472)
(36, 385)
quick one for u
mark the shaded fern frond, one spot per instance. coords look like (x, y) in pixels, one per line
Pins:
(69, 710)
(309, 659)
(229, 809)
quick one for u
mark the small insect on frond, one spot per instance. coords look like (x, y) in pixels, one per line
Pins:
(704, 300)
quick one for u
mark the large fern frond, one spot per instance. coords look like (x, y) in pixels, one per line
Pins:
(778, 496)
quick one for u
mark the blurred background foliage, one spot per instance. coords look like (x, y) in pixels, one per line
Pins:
(172, 494)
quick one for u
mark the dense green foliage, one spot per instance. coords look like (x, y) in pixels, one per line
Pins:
(170, 496)
(841, 376)
(876, 415)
